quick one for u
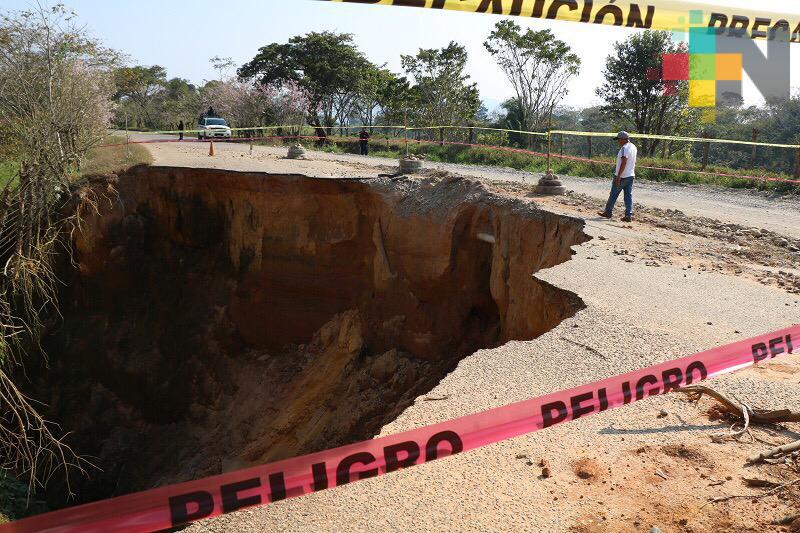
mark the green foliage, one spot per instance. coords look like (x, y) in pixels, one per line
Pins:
(379, 89)
(538, 65)
(600, 168)
(15, 501)
(327, 65)
(138, 86)
(445, 96)
(634, 92)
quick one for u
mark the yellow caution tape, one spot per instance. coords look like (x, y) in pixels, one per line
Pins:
(670, 15)
(674, 138)
(480, 128)
(534, 133)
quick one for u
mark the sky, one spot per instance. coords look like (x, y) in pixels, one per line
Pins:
(182, 35)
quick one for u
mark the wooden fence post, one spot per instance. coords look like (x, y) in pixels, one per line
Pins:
(797, 165)
(561, 147)
(441, 136)
(706, 147)
(753, 154)
(590, 147)
(472, 136)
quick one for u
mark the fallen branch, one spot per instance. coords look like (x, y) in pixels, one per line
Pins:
(436, 398)
(585, 347)
(753, 496)
(786, 520)
(773, 453)
(757, 416)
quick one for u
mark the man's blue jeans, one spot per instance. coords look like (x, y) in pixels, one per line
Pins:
(626, 185)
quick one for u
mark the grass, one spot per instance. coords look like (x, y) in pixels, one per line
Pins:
(598, 167)
(114, 159)
(8, 172)
(98, 162)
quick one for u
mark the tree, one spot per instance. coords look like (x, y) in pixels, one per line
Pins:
(247, 103)
(178, 101)
(241, 103)
(446, 97)
(55, 105)
(140, 85)
(538, 65)
(396, 98)
(327, 65)
(222, 65)
(373, 88)
(634, 93)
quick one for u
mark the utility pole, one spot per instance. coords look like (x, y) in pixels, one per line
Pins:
(127, 139)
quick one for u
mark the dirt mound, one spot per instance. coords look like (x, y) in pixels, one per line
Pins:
(215, 319)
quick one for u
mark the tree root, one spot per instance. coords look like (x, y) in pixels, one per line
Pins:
(757, 416)
(750, 415)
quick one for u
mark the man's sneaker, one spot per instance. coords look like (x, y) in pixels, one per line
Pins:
(627, 219)
(604, 214)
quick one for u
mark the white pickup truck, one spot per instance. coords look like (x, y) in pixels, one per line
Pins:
(213, 128)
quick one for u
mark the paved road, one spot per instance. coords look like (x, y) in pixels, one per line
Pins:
(779, 213)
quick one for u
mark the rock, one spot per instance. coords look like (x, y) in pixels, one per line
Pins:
(654, 529)
(663, 413)
(384, 365)
(783, 243)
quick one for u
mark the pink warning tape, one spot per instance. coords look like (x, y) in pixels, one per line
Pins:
(182, 503)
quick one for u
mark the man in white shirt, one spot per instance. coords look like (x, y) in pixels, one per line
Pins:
(623, 177)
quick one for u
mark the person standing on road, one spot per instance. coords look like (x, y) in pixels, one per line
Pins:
(181, 127)
(623, 177)
(363, 141)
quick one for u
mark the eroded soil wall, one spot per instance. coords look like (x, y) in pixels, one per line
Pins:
(215, 319)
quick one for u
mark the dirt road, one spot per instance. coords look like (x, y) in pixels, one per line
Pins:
(661, 288)
(769, 211)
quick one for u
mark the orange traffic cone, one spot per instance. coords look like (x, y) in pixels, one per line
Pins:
(211, 149)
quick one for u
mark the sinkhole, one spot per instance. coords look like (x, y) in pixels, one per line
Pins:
(212, 320)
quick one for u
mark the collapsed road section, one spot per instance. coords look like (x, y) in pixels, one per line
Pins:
(212, 320)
